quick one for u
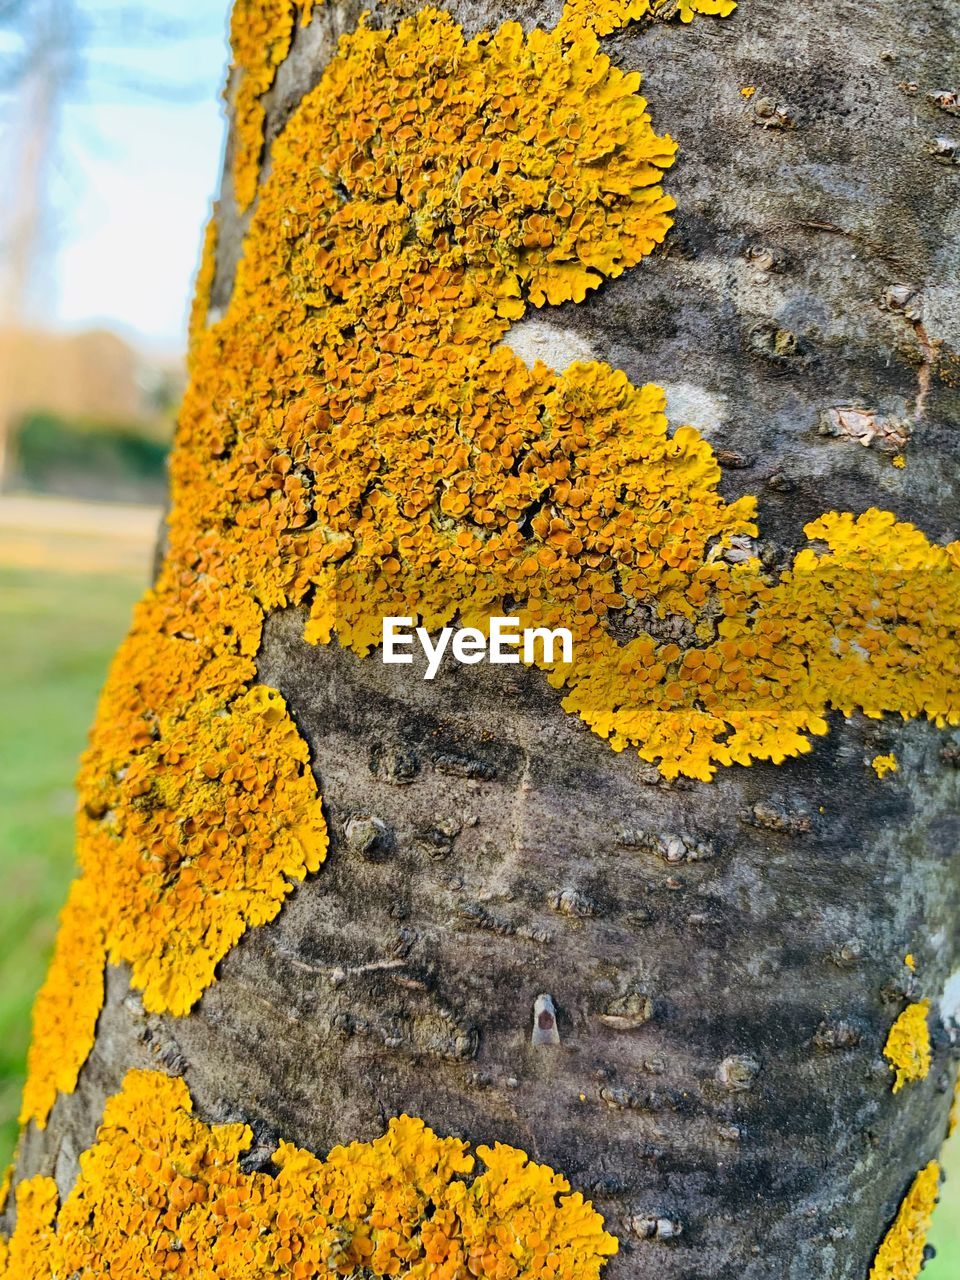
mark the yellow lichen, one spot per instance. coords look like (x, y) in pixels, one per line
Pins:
(161, 1194)
(198, 812)
(200, 837)
(882, 765)
(908, 1045)
(444, 475)
(197, 805)
(900, 1256)
(356, 439)
(688, 9)
(69, 999)
(910, 961)
(203, 285)
(604, 16)
(28, 1254)
(899, 461)
(600, 16)
(954, 1122)
(261, 32)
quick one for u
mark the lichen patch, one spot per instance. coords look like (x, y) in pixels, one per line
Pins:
(357, 439)
(161, 1194)
(261, 33)
(900, 1256)
(908, 1045)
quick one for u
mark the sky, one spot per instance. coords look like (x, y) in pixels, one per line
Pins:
(135, 167)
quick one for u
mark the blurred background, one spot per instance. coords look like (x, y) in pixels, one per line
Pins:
(111, 130)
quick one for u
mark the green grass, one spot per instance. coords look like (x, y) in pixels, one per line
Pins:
(57, 634)
(945, 1236)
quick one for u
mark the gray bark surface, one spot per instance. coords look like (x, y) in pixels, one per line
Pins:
(726, 958)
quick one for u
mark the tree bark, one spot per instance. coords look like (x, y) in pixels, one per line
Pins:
(726, 958)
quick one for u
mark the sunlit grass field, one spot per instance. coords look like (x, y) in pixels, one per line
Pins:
(57, 635)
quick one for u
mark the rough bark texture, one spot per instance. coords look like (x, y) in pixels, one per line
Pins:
(486, 847)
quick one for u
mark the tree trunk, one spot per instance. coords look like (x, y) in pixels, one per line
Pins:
(726, 957)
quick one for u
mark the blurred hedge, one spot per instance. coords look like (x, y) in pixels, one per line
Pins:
(88, 459)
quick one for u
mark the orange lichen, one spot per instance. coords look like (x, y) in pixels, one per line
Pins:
(199, 809)
(203, 285)
(882, 765)
(199, 838)
(261, 32)
(356, 439)
(908, 1045)
(161, 1194)
(900, 1256)
(70, 998)
(443, 475)
(197, 804)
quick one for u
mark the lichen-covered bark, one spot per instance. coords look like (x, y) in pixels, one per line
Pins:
(727, 958)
